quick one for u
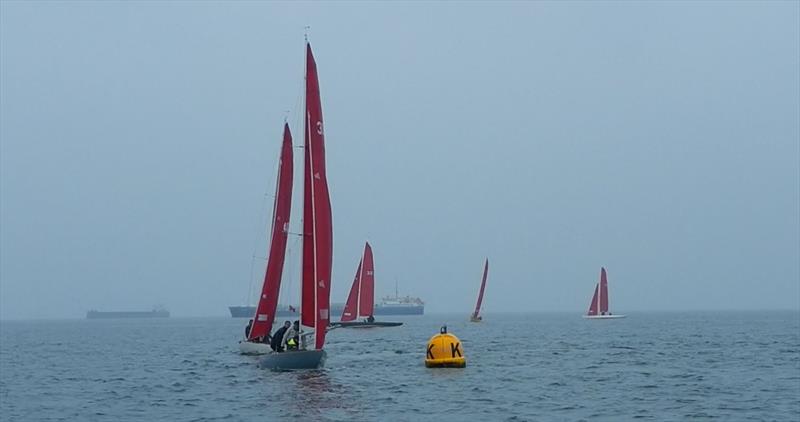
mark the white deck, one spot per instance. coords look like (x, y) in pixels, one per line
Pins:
(603, 316)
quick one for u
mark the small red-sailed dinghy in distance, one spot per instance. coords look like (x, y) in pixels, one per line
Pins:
(361, 300)
(476, 317)
(598, 308)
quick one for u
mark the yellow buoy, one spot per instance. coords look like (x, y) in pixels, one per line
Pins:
(444, 351)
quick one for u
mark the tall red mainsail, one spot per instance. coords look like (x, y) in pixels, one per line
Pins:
(317, 219)
(268, 301)
(603, 292)
(483, 286)
(367, 297)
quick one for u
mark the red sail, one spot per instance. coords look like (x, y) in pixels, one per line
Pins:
(317, 219)
(483, 286)
(350, 311)
(367, 295)
(603, 292)
(593, 304)
(268, 301)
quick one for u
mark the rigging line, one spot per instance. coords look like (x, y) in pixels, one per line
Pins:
(250, 285)
(304, 115)
(261, 226)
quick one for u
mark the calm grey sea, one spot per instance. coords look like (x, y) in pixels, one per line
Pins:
(659, 366)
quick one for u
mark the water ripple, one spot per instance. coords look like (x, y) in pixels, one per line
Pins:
(553, 367)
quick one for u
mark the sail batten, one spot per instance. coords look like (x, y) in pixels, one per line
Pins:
(268, 299)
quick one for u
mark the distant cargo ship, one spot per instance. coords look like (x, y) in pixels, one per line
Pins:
(394, 305)
(155, 313)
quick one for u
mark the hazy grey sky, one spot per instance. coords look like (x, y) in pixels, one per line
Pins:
(659, 139)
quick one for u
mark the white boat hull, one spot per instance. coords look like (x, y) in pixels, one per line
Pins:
(603, 316)
(250, 348)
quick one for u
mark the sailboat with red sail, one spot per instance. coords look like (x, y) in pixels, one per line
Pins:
(317, 239)
(257, 336)
(598, 307)
(361, 300)
(476, 317)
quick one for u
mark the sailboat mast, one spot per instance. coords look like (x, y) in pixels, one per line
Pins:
(302, 218)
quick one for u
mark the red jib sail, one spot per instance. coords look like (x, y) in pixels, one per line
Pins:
(268, 301)
(603, 292)
(317, 220)
(483, 286)
(350, 311)
(593, 304)
(367, 297)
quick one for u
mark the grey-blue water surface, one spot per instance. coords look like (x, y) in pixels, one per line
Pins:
(658, 366)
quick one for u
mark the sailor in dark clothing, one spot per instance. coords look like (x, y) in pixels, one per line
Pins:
(247, 329)
(371, 319)
(277, 337)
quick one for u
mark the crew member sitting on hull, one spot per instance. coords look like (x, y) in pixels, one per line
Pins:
(292, 337)
(247, 329)
(277, 339)
(370, 319)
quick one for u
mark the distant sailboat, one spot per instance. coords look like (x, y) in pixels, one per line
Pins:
(257, 337)
(476, 317)
(598, 307)
(361, 300)
(317, 238)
